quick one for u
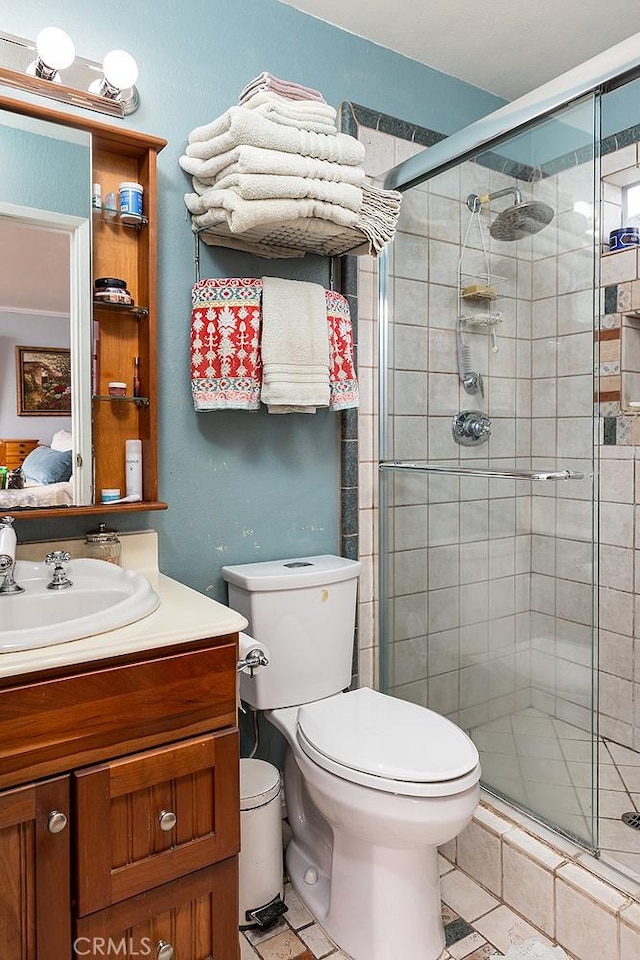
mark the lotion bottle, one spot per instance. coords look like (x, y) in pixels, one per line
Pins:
(133, 469)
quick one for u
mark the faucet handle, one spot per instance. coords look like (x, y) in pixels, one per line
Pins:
(59, 581)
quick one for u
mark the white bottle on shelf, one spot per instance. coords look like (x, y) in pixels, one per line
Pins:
(133, 469)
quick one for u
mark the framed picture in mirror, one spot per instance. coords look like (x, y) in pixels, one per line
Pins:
(43, 381)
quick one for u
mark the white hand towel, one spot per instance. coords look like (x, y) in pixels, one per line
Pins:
(239, 125)
(295, 345)
(264, 186)
(247, 159)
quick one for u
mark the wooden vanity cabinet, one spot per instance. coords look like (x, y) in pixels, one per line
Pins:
(120, 817)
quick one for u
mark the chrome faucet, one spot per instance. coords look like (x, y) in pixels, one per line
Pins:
(8, 541)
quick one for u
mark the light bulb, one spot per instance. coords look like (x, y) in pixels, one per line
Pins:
(120, 69)
(55, 48)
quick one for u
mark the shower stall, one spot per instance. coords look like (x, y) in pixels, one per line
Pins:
(500, 390)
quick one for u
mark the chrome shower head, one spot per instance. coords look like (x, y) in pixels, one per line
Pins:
(523, 219)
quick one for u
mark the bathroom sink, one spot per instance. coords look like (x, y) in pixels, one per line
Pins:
(103, 597)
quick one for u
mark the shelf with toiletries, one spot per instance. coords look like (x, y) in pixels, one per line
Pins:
(127, 308)
(139, 401)
(480, 286)
(123, 162)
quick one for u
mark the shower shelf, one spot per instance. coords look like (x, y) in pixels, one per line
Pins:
(480, 286)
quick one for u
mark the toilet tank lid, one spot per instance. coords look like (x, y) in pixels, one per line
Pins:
(293, 573)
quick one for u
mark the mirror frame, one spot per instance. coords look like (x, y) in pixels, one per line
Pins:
(79, 232)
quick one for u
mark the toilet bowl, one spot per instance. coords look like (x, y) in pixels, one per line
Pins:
(372, 784)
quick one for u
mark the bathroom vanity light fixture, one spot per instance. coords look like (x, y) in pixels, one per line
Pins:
(49, 68)
(120, 72)
(55, 51)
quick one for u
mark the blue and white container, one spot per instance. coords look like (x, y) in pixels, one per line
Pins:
(131, 202)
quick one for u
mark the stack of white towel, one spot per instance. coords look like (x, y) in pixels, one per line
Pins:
(278, 158)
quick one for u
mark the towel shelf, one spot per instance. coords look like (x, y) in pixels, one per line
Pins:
(286, 240)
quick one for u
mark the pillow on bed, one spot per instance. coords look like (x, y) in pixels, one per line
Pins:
(44, 465)
(62, 440)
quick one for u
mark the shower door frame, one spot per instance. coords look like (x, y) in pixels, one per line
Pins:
(614, 68)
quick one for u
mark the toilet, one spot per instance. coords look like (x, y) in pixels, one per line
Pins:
(372, 784)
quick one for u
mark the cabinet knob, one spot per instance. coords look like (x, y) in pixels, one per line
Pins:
(165, 950)
(57, 822)
(167, 820)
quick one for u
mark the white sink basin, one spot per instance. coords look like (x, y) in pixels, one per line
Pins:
(103, 597)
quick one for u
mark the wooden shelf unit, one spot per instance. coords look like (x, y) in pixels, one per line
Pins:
(118, 155)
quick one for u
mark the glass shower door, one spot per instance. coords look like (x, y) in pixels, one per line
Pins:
(487, 551)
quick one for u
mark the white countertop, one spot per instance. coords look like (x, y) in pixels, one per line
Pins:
(184, 614)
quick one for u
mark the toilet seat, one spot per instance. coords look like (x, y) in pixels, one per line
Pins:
(387, 744)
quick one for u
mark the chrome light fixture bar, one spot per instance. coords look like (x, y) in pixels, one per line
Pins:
(83, 83)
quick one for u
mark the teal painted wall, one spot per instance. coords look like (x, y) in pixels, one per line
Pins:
(240, 486)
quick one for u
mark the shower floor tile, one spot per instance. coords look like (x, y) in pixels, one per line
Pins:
(548, 771)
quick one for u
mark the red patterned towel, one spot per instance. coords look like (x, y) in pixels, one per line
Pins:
(226, 366)
(226, 369)
(343, 383)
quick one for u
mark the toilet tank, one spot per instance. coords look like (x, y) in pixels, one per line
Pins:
(303, 610)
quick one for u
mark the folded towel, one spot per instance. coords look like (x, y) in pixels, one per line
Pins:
(378, 215)
(295, 345)
(226, 369)
(286, 88)
(242, 215)
(286, 240)
(265, 186)
(343, 382)
(247, 159)
(302, 114)
(239, 125)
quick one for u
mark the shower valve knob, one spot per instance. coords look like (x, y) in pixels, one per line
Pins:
(471, 427)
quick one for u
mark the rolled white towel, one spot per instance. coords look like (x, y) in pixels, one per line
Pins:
(239, 125)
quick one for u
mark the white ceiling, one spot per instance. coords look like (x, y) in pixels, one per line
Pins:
(35, 269)
(507, 47)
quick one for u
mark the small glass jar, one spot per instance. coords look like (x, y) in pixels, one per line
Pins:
(102, 544)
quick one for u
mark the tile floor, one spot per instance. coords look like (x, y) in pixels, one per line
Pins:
(544, 764)
(477, 926)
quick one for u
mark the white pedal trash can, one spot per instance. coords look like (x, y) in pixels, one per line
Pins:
(260, 861)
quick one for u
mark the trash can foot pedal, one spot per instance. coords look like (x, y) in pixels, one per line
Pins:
(265, 916)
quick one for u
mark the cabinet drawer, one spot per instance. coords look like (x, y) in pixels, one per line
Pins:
(147, 819)
(52, 725)
(197, 916)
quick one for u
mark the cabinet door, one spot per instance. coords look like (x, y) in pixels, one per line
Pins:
(195, 918)
(149, 818)
(35, 910)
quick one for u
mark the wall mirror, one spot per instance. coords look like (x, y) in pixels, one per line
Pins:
(45, 310)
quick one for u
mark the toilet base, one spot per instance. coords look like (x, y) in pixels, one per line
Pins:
(398, 891)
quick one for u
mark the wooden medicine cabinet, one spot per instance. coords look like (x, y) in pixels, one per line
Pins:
(109, 341)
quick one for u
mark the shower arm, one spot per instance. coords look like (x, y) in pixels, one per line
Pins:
(474, 202)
